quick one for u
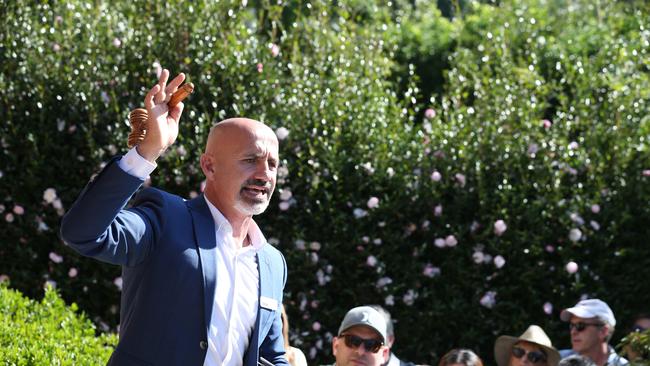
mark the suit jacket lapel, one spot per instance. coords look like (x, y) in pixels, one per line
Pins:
(263, 266)
(204, 233)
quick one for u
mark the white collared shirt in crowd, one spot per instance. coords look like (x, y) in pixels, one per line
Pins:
(235, 302)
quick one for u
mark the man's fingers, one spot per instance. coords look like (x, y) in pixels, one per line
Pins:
(148, 99)
(174, 84)
(176, 112)
(162, 81)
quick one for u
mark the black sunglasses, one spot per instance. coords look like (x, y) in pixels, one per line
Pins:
(533, 357)
(580, 326)
(371, 345)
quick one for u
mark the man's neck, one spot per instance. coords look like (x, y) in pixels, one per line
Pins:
(599, 354)
(238, 222)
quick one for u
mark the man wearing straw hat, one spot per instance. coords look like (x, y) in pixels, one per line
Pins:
(532, 348)
(591, 323)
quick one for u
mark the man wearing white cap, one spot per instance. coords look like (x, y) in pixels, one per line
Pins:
(591, 323)
(361, 339)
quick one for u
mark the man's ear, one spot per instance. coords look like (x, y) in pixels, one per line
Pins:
(385, 354)
(335, 341)
(207, 165)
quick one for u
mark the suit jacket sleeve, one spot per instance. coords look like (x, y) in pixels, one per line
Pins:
(98, 226)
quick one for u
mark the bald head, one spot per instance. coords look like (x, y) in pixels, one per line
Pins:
(230, 128)
(240, 164)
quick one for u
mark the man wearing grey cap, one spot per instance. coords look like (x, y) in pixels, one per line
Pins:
(361, 338)
(591, 323)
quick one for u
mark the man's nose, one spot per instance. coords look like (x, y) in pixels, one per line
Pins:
(263, 171)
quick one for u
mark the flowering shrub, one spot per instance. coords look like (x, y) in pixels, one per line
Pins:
(471, 200)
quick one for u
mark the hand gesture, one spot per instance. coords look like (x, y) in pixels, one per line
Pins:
(162, 123)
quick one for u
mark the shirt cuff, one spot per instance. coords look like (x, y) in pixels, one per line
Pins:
(136, 165)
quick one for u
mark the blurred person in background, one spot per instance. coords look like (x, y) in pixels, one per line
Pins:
(576, 360)
(390, 341)
(294, 355)
(640, 324)
(591, 323)
(361, 338)
(532, 348)
(460, 357)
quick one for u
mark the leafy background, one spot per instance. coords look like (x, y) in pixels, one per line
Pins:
(475, 167)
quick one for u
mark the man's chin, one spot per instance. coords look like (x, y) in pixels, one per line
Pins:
(251, 208)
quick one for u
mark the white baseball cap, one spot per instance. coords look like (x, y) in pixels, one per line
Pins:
(590, 308)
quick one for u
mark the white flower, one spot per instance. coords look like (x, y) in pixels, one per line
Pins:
(451, 241)
(359, 213)
(595, 208)
(117, 42)
(437, 211)
(575, 235)
(275, 49)
(55, 257)
(371, 261)
(284, 205)
(577, 219)
(571, 267)
(384, 281)
(500, 227)
(373, 202)
(389, 300)
(548, 308)
(72, 273)
(436, 176)
(409, 297)
(573, 145)
(439, 242)
(282, 133)
(499, 261)
(314, 245)
(390, 171)
(49, 195)
(430, 271)
(300, 244)
(478, 257)
(489, 299)
(594, 225)
(118, 283)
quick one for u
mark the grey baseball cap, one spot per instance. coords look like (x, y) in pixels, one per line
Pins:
(364, 315)
(590, 308)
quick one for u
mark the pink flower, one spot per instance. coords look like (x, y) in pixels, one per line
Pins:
(460, 178)
(56, 47)
(436, 176)
(499, 261)
(315, 326)
(284, 205)
(4, 278)
(260, 67)
(373, 202)
(314, 245)
(9, 217)
(19, 210)
(72, 273)
(437, 211)
(500, 227)
(430, 271)
(548, 308)
(646, 173)
(573, 145)
(549, 248)
(285, 194)
(546, 123)
(275, 50)
(595, 208)
(55, 257)
(451, 241)
(571, 267)
(429, 113)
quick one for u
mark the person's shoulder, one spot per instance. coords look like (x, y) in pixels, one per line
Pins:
(566, 353)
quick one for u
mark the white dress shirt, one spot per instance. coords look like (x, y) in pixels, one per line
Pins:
(236, 296)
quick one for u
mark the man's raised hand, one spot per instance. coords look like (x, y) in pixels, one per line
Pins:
(162, 123)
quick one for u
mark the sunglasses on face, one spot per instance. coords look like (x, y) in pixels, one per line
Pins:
(580, 326)
(533, 357)
(354, 342)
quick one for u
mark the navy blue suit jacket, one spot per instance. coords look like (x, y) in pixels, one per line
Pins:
(166, 247)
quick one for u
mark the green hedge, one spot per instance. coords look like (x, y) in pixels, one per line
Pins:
(410, 136)
(48, 333)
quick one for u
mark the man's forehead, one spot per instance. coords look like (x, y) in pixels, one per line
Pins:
(363, 331)
(577, 318)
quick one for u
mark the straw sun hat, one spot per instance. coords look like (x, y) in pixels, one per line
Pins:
(534, 334)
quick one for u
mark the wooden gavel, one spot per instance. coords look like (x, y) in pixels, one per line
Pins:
(138, 117)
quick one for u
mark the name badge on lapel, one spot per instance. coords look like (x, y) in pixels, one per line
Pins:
(268, 303)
